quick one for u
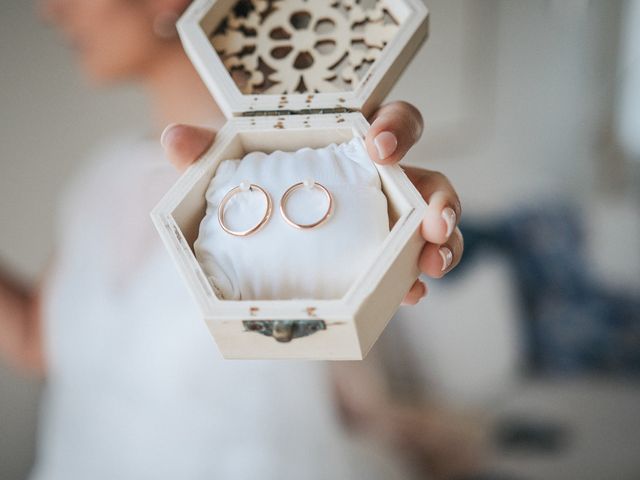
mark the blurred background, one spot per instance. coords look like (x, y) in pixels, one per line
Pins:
(533, 110)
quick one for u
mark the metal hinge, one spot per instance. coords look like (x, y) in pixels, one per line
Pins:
(284, 330)
(308, 111)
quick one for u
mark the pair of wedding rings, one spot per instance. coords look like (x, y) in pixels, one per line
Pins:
(248, 187)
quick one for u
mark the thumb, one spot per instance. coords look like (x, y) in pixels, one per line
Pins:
(184, 144)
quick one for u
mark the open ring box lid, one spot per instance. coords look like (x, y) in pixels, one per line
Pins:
(290, 74)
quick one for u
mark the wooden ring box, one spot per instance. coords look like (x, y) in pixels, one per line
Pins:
(290, 74)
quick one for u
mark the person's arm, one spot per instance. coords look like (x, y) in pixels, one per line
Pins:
(439, 442)
(20, 325)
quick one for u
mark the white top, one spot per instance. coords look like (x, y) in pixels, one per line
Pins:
(136, 388)
(280, 262)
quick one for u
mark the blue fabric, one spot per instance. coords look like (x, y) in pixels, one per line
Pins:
(572, 323)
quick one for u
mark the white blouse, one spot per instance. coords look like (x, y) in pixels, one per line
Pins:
(136, 388)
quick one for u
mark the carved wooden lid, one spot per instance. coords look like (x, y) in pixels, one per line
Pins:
(260, 56)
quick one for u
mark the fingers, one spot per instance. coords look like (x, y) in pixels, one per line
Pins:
(184, 144)
(438, 260)
(417, 292)
(444, 209)
(395, 128)
(439, 228)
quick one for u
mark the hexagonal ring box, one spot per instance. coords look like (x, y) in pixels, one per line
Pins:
(290, 74)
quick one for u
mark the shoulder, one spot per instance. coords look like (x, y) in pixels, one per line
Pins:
(113, 160)
(112, 157)
(105, 172)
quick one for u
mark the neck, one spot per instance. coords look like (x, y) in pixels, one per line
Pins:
(177, 94)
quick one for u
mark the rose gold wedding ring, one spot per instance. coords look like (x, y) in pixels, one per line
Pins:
(227, 198)
(297, 186)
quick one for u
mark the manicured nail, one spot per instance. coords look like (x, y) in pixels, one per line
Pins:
(386, 144)
(424, 291)
(449, 217)
(165, 133)
(447, 257)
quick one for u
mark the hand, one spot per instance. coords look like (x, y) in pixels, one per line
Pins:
(440, 443)
(395, 128)
(20, 325)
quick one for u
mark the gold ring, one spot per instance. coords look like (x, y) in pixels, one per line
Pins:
(297, 186)
(245, 187)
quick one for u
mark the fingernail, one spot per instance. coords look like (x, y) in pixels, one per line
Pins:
(165, 134)
(449, 217)
(447, 257)
(424, 291)
(386, 144)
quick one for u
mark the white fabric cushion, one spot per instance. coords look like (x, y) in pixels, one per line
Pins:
(280, 262)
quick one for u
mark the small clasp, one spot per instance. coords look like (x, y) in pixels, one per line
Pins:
(285, 330)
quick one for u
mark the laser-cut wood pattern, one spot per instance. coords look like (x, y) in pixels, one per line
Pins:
(302, 46)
